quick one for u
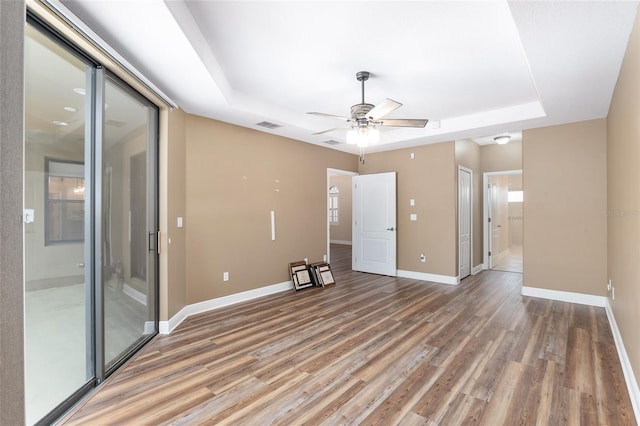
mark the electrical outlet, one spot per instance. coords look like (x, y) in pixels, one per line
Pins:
(225, 276)
(423, 258)
(306, 260)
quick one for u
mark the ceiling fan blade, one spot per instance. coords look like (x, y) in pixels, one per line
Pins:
(404, 122)
(329, 130)
(383, 108)
(322, 114)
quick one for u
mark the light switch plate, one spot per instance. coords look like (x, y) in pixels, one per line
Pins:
(29, 215)
(412, 202)
(413, 216)
(179, 222)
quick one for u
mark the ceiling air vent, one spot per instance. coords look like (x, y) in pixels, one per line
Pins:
(268, 125)
(331, 142)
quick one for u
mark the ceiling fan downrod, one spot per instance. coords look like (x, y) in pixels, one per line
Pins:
(362, 76)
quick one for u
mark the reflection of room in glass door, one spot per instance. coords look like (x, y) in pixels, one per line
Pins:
(57, 270)
(66, 351)
(138, 191)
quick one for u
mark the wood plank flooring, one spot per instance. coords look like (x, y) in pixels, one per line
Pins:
(376, 350)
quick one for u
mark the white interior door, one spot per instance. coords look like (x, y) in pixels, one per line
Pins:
(374, 223)
(464, 222)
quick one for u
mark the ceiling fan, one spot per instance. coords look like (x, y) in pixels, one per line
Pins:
(366, 117)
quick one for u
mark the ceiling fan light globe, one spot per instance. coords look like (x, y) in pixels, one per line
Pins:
(363, 136)
(373, 136)
(352, 137)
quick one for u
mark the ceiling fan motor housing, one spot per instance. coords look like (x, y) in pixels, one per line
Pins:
(359, 112)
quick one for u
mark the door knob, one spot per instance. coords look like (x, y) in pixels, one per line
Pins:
(391, 229)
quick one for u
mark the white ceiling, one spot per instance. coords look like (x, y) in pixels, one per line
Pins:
(475, 69)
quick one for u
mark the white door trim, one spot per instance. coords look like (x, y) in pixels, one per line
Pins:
(485, 211)
(333, 172)
(467, 170)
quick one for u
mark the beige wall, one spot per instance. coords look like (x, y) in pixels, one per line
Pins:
(468, 155)
(234, 178)
(498, 158)
(342, 230)
(173, 279)
(565, 228)
(623, 204)
(430, 179)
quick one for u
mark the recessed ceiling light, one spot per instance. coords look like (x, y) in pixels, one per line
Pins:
(79, 90)
(60, 123)
(70, 109)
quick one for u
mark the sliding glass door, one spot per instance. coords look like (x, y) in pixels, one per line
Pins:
(58, 291)
(128, 243)
(90, 214)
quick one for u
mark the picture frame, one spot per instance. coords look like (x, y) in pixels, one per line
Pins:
(322, 274)
(300, 275)
(327, 277)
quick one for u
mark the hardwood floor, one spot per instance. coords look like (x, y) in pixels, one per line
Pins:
(376, 350)
(511, 261)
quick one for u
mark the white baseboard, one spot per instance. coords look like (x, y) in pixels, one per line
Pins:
(149, 327)
(442, 279)
(627, 370)
(477, 268)
(167, 327)
(565, 296)
(341, 242)
(134, 294)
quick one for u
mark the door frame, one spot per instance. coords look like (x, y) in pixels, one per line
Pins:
(467, 170)
(486, 234)
(333, 172)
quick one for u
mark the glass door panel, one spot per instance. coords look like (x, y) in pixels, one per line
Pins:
(128, 220)
(90, 213)
(58, 310)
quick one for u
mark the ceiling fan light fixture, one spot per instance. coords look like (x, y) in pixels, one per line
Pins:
(502, 139)
(365, 117)
(363, 136)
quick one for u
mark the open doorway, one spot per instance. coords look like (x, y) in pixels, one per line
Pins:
(503, 221)
(339, 210)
